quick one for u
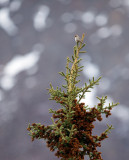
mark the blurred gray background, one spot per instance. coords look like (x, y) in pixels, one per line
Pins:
(35, 39)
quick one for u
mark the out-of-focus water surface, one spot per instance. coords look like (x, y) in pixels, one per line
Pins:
(35, 39)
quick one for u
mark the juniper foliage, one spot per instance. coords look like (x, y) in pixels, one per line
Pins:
(70, 133)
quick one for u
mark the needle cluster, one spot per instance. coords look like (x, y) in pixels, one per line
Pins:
(70, 134)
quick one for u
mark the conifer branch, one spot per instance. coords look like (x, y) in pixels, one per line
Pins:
(71, 133)
(87, 87)
(74, 68)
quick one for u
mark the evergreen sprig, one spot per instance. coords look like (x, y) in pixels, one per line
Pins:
(70, 133)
